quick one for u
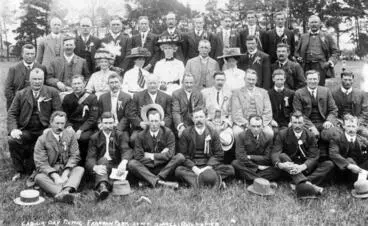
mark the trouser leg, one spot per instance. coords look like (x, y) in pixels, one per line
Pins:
(170, 167)
(224, 171)
(75, 178)
(141, 171)
(47, 184)
(297, 178)
(186, 175)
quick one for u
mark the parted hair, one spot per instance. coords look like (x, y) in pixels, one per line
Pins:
(57, 113)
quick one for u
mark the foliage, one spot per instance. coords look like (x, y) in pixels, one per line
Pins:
(34, 22)
(362, 49)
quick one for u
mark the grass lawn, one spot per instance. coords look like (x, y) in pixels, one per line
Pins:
(233, 206)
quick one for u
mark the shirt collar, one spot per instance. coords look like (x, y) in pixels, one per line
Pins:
(200, 32)
(53, 35)
(84, 38)
(107, 135)
(116, 94)
(310, 90)
(347, 91)
(25, 64)
(277, 89)
(314, 33)
(348, 137)
(57, 137)
(283, 63)
(115, 35)
(171, 30)
(298, 135)
(154, 134)
(200, 131)
(253, 53)
(280, 29)
(152, 95)
(69, 58)
(187, 93)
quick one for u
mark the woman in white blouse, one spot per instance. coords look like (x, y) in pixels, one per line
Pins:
(234, 75)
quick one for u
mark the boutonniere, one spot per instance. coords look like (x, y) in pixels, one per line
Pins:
(111, 139)
(41, 99)
(257, 60)
(85, 108)
(323, 38)
(64, 145)
(91, 44)
(286, 99)
(120, 103)
(208, 138)
(225, 98)
(300, 142)
(284, 38)
(207, 144)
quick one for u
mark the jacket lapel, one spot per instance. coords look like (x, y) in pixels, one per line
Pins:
(108, 101)
(147, 98)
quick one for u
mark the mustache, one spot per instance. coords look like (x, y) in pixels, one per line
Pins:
(199, 123)
(59, 130)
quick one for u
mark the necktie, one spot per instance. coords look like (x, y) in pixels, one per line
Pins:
(218, 97)
(351, 145)
(36, 94)
(141, 81)
(190, 108)
(143, 40)
(313, 94)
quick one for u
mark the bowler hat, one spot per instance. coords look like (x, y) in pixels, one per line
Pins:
(209, 178)
(305, 191)
(121, 187)
(261, 187)
(139, 52)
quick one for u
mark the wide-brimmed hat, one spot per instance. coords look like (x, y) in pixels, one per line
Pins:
(209, 178)
(360, 189)
(305, 191)
(149, 107)
(29, 197)
(104, 54)
(121, 188)
(168, 39)
(226, 139)
(139, 52)
(231, 52)
(261, 187)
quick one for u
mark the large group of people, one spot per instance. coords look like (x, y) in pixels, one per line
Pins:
(195, 109)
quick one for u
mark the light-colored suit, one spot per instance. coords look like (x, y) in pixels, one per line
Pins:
(194, 67)
(211, 105)
(48, 48)
(53, 156)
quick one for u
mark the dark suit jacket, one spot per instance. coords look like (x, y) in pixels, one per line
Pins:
(242, 38)
(272, 41)
(193, 41)
(187, 146)
(150, 44)
(326, 104)
(286, 107)
(329, 49)
(125, 43)
(359, 105)
(294, 74)
(180, 111)
(48, 150)
(286, 142)
(143, 98)
(260, 151)
(56, 72)
(18, 78)
(144, 143)
(340, 153)
(87, 50)
(74, 111)
(262, 67)
(125, 109)
(233, 39)
(118, 148)
(20, 110)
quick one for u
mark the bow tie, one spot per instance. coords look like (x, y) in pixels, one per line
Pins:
(313, 34)
(114, 95)
(170, 59)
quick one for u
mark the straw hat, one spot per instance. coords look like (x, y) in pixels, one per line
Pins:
(121, 188)
(169, 39)
(360, 189)
(226, 139)
(103, 54)
(139, 52)
(261, 187)
(149, 107)
(29, 197)
(231, 52)
(305, 191)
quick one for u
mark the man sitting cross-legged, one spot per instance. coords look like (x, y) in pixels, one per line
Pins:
(201, 146)
(154, 158)
(296, 152)
(107, 149)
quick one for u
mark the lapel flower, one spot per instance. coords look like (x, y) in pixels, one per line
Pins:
(300, 142)
(41, 99)
(284, 38)
(111, 139)
(208, 138)
(120, 104)
(257, 60)
(323, 38)
(64, 145)
(286, 99)
(91, 44)
(225, 98)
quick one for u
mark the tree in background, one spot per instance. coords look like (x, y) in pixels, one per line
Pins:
(34, 22)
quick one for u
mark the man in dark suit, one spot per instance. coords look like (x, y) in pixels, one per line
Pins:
(184, 100)
(18, 75)
(150, 96)
(197, 35)
(117, 102)
(107, 149)
(82, 112)
(254, 30)
(116, 39)
(228, 36)
(295, 152)
(201, 147)
(253, 153)
(348, 153)
(56, 156)
(146, 39)
(258, 61)
(294, 72)
(280, 34)
(281, 101)
(317, 50)
(28, 115)
(86, 44)
(154, 158)
(62, 69)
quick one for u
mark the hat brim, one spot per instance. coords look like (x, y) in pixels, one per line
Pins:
(169, 42)
(229, 146)
(147, 107)
(225, 56)
(359, 196)
(251, 189)
(138, 56)
(308, 197)
(19, 202)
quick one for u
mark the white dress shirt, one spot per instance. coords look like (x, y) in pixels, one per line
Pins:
(313, 90)
(154, 134)
(252, 29)
(30, 66)
(298, 135)
(200, 131)
(350, 138)
(170, 71)
(346, 91)
(114, 36)
(171, 31)
(234, 78)
(107, 154)
(69, 58)
(153, 97)
(280, 31)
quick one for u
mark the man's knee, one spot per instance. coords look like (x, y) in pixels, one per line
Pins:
(327, 165)
(284, 157)
(179, 158)
(78, 170)
(179, 171)
(133, 164)
(236, 164)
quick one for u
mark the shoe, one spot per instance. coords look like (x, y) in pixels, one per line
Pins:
(292, 186)
(102, 192)
(16, 177)
(172, 185)
(318, 189)
(65, 197)
(274, 185)
(30, 182)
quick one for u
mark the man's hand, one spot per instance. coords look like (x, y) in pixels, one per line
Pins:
(122, 167)
(148, 67)
(196, 170)
(149, 156)
(274, 123)
(286, 166)
(65, 175)
(61, 86)
(100, 169)
(327, 125)
(143, 125)
(78, 134)
(298, 169)
(315, 131)
(16, 133)
(164, 150)
(57, 178)
(354, 168)
(260, 167)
